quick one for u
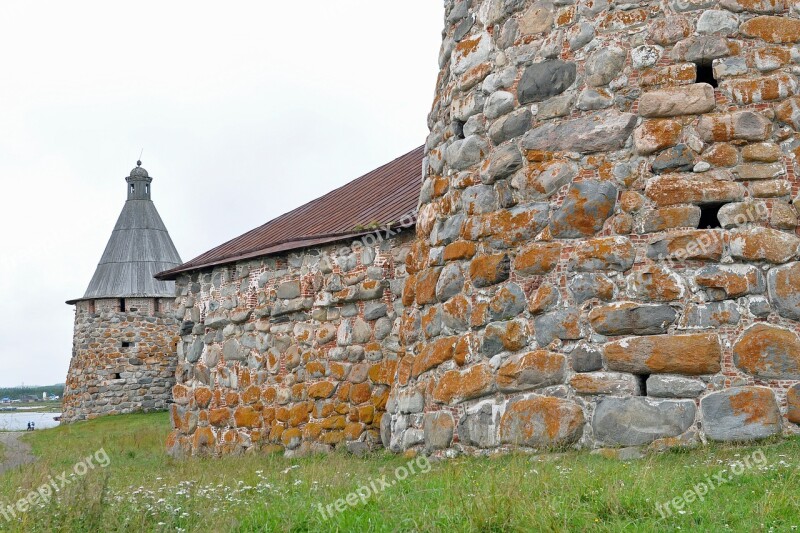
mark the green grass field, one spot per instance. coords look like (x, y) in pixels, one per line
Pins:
(142, 489)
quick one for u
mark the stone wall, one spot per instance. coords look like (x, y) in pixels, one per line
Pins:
(607, 247)
(122, 361)
(294, 352)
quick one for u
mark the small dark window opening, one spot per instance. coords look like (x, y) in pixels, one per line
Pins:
(114, 376)
(458, 129)
(155, 306)
(642, 379)
(122, 304)
(705, 74)
(147, 189)
(133, 188)
(134, 309)
(126, 344)
(709, 216)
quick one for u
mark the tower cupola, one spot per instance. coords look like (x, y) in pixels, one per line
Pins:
(139, 183)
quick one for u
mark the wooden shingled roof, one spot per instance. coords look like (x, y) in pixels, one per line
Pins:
(380, 198)
(139, 248)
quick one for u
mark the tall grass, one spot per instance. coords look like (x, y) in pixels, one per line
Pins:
(145, 490)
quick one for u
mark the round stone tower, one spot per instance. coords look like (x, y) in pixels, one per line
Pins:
(124, 347)
(607, 246)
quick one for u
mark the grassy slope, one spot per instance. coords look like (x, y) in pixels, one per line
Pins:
(144, 490)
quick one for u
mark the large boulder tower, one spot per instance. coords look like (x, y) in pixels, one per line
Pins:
(124, 348)
(607, 244)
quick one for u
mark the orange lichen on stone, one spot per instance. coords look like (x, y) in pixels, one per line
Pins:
(772, 29)
(537, 258)
(541, 422)
(666, 354)
(247, 417)
(756, 404)
(768, 352)
(457, 386)
(383, 372)
(459, 250)
(433, 354)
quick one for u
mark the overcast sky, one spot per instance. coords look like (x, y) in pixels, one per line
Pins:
(244, 110)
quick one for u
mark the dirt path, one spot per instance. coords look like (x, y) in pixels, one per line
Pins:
(15, 452)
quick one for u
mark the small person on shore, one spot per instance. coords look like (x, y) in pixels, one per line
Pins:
(29, 426)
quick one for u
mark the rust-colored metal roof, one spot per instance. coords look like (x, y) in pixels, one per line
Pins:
(379, 199)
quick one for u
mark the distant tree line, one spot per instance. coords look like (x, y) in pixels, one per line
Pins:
(16, 393)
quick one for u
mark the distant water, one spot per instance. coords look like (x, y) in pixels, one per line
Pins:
(18, 420)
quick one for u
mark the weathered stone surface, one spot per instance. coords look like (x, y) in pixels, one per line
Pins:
(434, 354)
(531, 370)
(478, 427)
(672, 189)
(629, 318)
(740, 414)
(768, 352)
(585, 209)
(543, 299)
(538, 258)
(784, 290)
(793, 403)
(584, 287)
(724, 282)
(710, 316)
(604, 65)
(489, 270)
(467, 152)
(703, 48)
(656, 284)
(666, 386)
(741, 213)
(671, 217)
(542, 180)
(763, 244)
(739, 125)
(605, 383)
(503, 162)
(772, 29)
(788, 112)
(656, 135)
(457, 386)
(538, 18)
(510, 126)
(636, 421)
(666, 354)
(717, 21)
(438, 428)
(764, 89)
(690, 244)
(669, 30)
(604, 253)
(541, 81)
(507, 302)
(674, 101)
(508, 336)
(450, 282)
(541, 422)
(561, 324)
(762, 7)
(606, 130)
(678, 159)
(586, 358)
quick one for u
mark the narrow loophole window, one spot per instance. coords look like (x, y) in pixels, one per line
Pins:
(709, 216)
(126, 344)
(705, 74)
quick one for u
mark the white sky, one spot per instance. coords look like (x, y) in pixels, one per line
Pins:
(245, 110)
